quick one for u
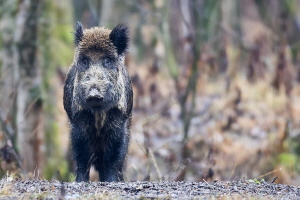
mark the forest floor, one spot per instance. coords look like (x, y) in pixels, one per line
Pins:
(242, 189)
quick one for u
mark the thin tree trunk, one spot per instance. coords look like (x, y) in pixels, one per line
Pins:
(29, 104)
(106, 11)
(7, 74)
(188, 38)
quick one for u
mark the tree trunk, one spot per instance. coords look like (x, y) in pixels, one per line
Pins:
(188, 39)
(29, 116)
(106, 11)
(7, 70)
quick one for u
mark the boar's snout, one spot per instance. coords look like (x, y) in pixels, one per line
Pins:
(94, 98)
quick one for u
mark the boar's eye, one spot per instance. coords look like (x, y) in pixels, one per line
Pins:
(108, 62)
(85, 62)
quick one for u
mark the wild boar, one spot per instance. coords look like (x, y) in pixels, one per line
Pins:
(98, 101)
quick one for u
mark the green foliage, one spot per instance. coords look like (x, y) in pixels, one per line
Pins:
(287, 159)
(72, 177)
(170, 56)
(56, 38)
(56, 162)
(61, 44)
(55, 46)
(256, 181)
(55, 167)
(171, 62)
(52, 139)
(290, 5)
(291, 158)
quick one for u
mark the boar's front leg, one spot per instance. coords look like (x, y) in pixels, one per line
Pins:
(81, 155)
(111, 167)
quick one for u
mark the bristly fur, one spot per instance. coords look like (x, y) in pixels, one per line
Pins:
(78, 34)
(119, 37)
(99, 134)
(97, 40)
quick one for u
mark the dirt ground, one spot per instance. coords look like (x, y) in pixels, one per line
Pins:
(242, 189)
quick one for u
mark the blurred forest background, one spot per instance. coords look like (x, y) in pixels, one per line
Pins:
(216, 87)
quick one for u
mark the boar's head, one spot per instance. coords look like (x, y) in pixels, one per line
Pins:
(98, 59)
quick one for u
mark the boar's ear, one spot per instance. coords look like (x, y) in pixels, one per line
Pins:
(119, 37)
(78, 33)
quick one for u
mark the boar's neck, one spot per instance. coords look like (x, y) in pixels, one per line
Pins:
(100, 117)
(100, 123)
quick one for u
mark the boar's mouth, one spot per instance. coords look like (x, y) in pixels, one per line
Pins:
(94, 99)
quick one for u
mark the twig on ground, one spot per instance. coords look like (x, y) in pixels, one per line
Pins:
(155, 164)
(266, 174)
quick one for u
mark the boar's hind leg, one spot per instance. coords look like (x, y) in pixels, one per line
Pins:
(81, 156)
(111, 169)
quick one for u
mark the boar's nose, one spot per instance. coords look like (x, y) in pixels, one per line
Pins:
(94, 98)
